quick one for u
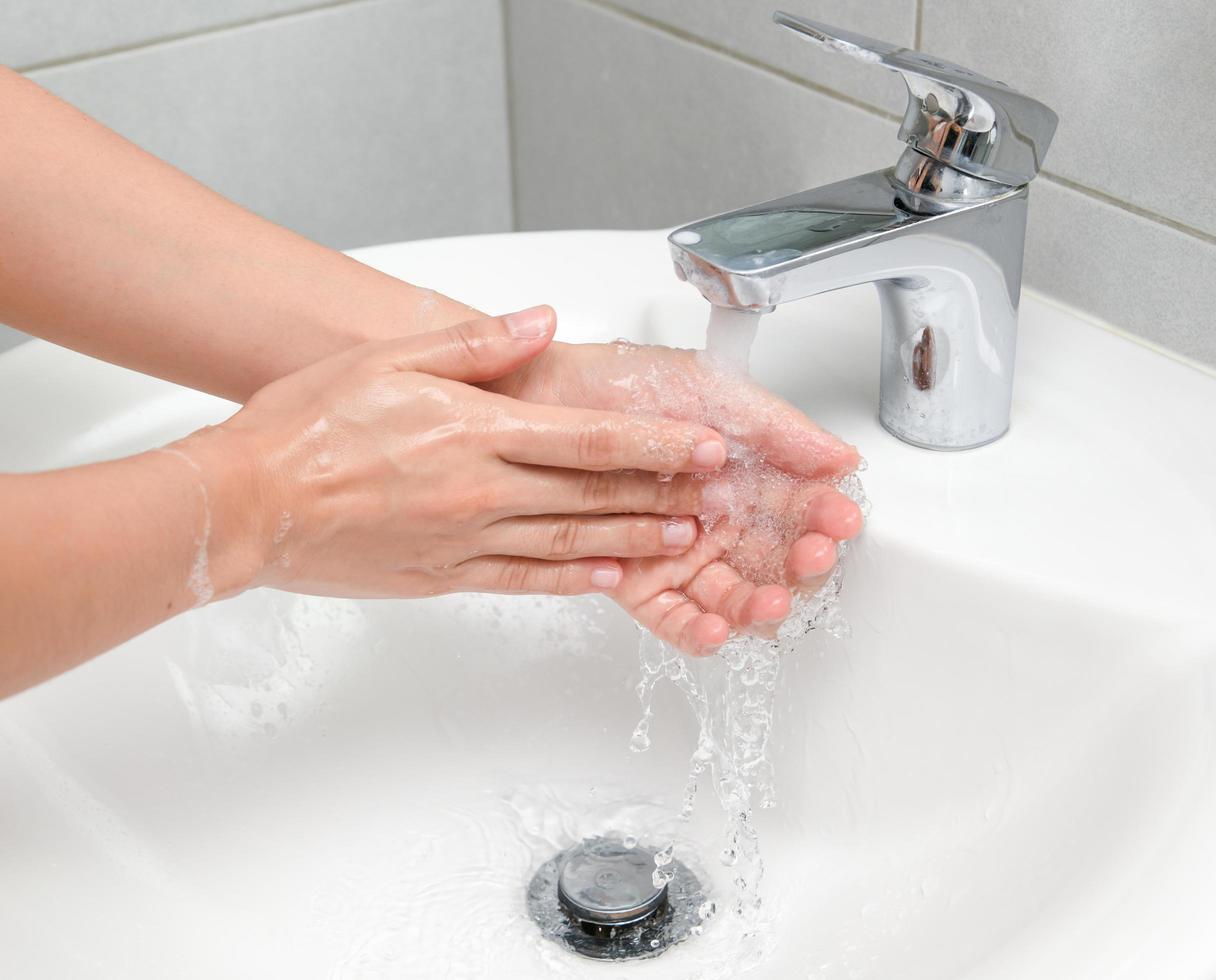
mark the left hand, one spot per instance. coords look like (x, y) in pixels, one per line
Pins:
(738, 574)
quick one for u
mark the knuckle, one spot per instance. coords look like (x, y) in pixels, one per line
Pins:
(677, 496)
(477, 501)
(518, 575)
(734, 600)
(567, 538)
(599, 490)
(674, 497)
(596, 445)
(671, 619)
(466, 340)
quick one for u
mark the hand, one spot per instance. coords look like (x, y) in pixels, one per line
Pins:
(765, 533)
(773, 517)
(388, 474)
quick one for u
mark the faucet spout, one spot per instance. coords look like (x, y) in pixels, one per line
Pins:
(940, 235)
(948, 284)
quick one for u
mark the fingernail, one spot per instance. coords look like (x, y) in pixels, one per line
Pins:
(606, 578)
(709, 454)
(678, 534)
(528, 324)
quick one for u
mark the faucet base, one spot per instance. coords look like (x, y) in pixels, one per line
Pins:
(940, 449)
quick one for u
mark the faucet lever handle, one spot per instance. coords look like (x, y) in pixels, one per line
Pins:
(974, 124)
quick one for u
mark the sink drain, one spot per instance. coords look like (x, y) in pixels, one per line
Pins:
(598, 899)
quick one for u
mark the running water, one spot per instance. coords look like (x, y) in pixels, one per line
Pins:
(729, 337)
(731, 694)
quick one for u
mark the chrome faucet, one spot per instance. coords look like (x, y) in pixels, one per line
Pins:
(940, 235)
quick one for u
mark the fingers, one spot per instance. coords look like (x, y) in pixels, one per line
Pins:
(555, 538)
(810, 558)
(740, 408)
(832, 513)
(676, 619)
(830, 517)
(785, 435)
(709, 583)
(586, 439)
(796, 444)
(720, 589)
(533, 576)
(475, 351)
(606, 492)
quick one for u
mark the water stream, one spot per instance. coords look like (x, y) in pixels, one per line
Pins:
(731, 694)
(427, 877)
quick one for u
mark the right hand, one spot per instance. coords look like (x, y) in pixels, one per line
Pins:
(784, 518)
(384, 472)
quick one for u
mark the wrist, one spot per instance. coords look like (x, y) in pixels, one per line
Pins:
(388, 308)
(237, 524)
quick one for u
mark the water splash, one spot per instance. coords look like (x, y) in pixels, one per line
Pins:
(729, 337)
(732, 693)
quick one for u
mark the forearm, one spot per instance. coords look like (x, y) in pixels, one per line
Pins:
(93, 555)
(110, 251)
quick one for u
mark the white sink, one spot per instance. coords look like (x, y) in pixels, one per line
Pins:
(1008, 771)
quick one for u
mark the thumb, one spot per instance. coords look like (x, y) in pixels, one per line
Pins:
(477, 350)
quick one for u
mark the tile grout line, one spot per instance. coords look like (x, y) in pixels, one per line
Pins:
(918, 37)
(153, 42)
(1101, 196)
(824, 90)
(758, 64)
(509, 93)
(745, 59)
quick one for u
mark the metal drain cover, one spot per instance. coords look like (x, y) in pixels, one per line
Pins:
(604, 883)
(598, 899)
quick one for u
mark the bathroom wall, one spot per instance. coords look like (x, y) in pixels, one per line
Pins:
(646, 113)
(360, 121)
(352, 121)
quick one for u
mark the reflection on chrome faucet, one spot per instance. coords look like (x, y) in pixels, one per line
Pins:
(940, 235)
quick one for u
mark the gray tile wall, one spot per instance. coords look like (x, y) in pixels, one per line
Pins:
(652, 112)
(357, 121)
(352, 122)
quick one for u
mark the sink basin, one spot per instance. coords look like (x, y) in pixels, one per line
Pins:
(1007, 771)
